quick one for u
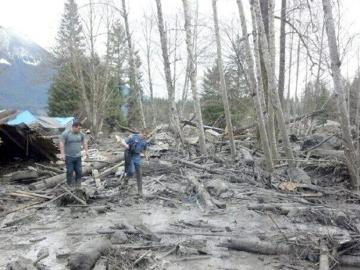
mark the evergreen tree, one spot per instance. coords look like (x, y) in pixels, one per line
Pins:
(70, 39)
(239, 100)
(117, 51)
(64, 94)
(64, 98)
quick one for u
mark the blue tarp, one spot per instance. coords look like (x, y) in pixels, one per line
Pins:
(28, 118)
(25, 117)
(64, 120)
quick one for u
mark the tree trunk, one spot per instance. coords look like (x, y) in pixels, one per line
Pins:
(132, 74)
(271, 43)
(317, 83)
(192, 75)
(350, 154)
(255, 87)
(296, 101)
(148, 33)
(270, 119)
(289, 78)
(272, 83)
(282, 53)
(222, 82)
(174, 117)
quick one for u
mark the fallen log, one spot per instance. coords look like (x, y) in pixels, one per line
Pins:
(324, 256)
(49, 168)
(190, 123)
(333, 155)
(127, 129)
(198, 166)
(110, 170)
(257, 246)
(22, 175)
(86, 256)
(292, 120)
(53, 181)
(348, 260)
(31, 194)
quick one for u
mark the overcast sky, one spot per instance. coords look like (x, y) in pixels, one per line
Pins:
(40, 19)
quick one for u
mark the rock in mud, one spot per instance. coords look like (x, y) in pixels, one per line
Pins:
(88, 253)
(298, 175)
(21, 264)
(119, 237)
(332, 143)
(216, 187)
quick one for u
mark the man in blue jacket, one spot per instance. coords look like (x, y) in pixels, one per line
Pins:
(135, 145)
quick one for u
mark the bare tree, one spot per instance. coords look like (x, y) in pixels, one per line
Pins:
(174, 117)
(282, 52)
(193, 74)
(269, 10)
(254, 86)
(92, 73)
(222, 81)
(137, 103)
(287, 110)
(147, 34)
(274, 95)
(352, 159)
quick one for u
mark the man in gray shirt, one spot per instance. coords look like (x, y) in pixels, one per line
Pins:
(70, 149)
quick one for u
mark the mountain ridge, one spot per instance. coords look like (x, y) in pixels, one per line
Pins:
(25, 72)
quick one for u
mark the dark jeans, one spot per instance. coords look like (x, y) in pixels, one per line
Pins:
(73, 164)
(133, 165)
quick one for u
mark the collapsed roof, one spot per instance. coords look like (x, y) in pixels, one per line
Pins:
(23, 135)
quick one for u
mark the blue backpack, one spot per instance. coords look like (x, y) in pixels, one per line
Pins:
(135, 144)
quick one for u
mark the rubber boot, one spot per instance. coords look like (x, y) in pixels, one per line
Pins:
(139, 181)
(125, 181)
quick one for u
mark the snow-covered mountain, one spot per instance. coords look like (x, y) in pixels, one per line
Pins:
(25, 72)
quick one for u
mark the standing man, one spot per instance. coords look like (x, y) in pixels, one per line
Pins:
(70, 149)
(135, 145)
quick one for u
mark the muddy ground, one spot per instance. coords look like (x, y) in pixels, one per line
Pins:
(181, 232)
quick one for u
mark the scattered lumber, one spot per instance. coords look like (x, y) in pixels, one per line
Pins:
(53, 181)
(86, 256)
(74, 196)
(142, 257)
(110, 170)
(21, 193)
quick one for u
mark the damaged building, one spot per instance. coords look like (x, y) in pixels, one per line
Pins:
(25, 136)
